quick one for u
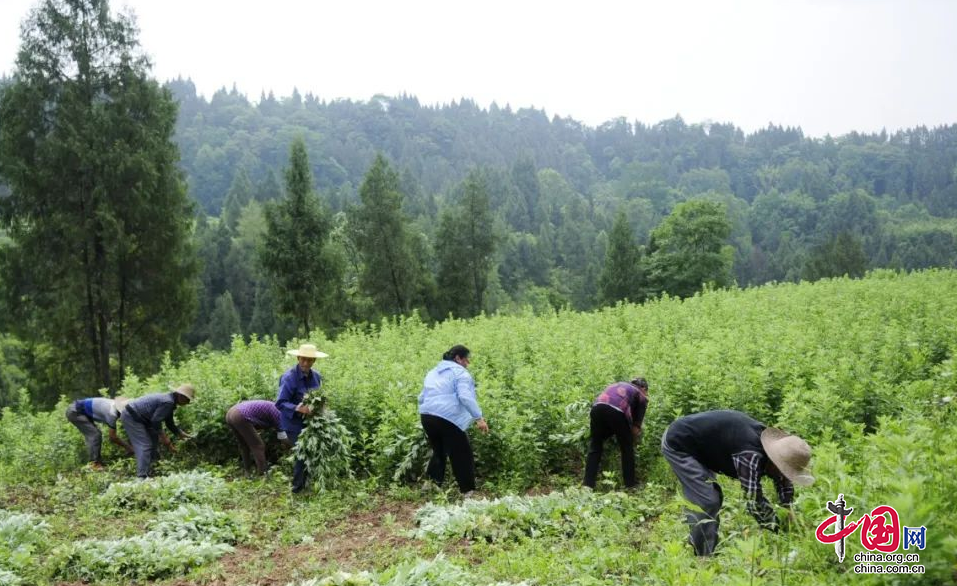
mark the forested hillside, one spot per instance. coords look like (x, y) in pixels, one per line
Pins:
(796, 207)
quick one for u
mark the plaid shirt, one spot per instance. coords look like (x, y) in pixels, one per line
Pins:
(750, 468)
(627, 398)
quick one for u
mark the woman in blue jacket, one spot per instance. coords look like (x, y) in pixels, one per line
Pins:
(447, 406)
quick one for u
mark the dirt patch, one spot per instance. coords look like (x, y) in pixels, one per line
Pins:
(367, 540)
(357, 541)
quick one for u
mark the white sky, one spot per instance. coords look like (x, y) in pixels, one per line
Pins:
(829, 66)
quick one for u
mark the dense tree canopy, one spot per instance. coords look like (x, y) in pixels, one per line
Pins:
(689, 249)
(100, 261)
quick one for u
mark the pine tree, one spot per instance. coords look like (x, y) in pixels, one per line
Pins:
(465, 246)
(98, 214)
(293, 252)
(268, 188)
(838, 256)
(239, 194)
(621, 276)
(224, 322)
(390, 273)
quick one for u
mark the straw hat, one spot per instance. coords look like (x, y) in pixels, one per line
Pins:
(789, 453)
(307, 351)
(119, 403)
(187, 391)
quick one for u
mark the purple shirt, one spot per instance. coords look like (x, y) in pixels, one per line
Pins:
(628, 399)
(259, 412)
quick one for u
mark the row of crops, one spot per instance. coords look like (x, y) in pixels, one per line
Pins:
(809, 358)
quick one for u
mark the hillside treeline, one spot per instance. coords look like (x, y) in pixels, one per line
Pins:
(796, 207)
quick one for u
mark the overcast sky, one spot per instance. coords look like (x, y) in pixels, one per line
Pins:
(827, 66)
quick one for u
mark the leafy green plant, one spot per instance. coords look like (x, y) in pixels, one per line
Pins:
(22, 535)
(21, 529)
(325, 446)
(8, 578)
(37, 446)
(178, 540)
(339, 579)
(199, 523)
(435, 572)
(558, 514)
(144, 557)
(164, 492)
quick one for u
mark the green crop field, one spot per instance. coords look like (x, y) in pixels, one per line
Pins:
(862, 369)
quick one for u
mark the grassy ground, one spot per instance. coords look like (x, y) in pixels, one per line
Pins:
(358, 528)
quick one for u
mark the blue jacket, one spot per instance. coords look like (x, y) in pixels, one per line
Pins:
(449, 393)
(293, 388)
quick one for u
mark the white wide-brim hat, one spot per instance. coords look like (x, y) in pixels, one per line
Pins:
(307, 351)
(789, 453)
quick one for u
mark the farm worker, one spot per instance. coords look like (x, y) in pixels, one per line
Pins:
(294, 385)
(86, 413)
(731, 443)
(618, 411)
(245, 419)
(143, 418)
(447, 406)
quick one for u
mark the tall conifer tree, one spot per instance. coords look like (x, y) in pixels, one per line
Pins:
(620, 277)
(293, 253)
(101, 262)
(464, 247)
(390, 274)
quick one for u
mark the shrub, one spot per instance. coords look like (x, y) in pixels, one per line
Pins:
(38, 446)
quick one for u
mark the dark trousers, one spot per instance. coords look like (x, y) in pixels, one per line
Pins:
(251, 446)
(701, 490)
(606, 421)
(145, 441)
(448, 441)
(91, 433)
(299, 472)
(299, 475)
